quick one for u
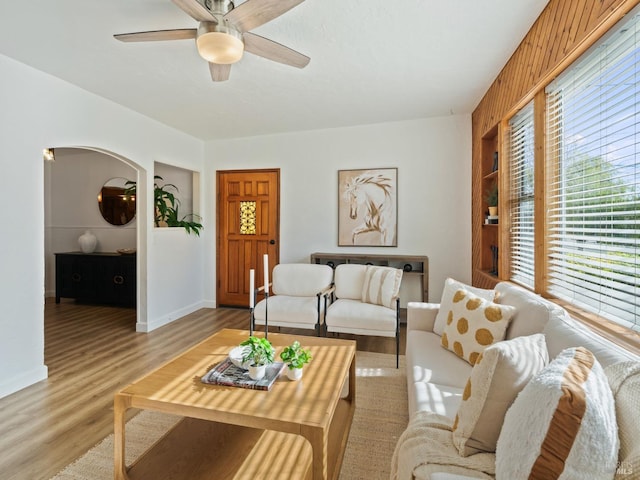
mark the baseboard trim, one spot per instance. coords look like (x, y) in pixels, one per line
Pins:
(24, 380)
(170, 317)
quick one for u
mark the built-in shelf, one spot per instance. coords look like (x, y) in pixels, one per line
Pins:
(489, 232)
(491, 176)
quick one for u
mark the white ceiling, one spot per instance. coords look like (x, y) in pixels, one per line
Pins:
(371, 60)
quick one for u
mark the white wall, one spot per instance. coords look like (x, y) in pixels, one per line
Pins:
(433, 157)
(41, 111)
(177, 271)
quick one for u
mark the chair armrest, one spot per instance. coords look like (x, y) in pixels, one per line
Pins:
(328, 295)
(326, 290)
(329, 291)
(421, 316)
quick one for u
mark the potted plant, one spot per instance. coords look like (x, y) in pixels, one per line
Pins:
(491, 197)
(295, 358)
(258, 353)
(166, 207)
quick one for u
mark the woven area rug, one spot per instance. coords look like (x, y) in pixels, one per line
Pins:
(380, 418)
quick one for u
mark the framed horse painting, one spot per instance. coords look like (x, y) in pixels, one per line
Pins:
(368, 207)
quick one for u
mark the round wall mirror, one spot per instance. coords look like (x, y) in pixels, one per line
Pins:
(117, 201)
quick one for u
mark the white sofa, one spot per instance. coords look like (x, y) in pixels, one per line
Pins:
(436, 377)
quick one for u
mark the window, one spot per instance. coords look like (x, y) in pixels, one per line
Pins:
(593, 178)
(521, 162)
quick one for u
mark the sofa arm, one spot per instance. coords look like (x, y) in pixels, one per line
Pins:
(421, 316)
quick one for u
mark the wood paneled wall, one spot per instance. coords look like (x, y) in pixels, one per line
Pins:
(563, 31)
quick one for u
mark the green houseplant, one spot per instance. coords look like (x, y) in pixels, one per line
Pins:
(259, 353)
(166, 207)
(295, 358)
(491, 197)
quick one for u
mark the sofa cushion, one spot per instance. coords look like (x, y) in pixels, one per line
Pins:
(434, 397)
(353, 316)
(473, 324)
(500, 373)
(300, 279)
(563, 422)
(565, 332)
(427, 361)
(532, 311)
(349, 278)
(296, 312)
(624, 380)
(451, 286)
(435, 376)
(381, 285)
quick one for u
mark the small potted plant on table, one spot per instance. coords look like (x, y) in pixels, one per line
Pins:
(258, 353)
(295, 358)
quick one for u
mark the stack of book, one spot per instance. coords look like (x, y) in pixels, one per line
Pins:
(491, 220)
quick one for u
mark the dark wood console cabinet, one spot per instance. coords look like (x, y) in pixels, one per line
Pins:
(105, 277)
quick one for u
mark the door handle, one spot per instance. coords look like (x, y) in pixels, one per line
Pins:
(272, 242)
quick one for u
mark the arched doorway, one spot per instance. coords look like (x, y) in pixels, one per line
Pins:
(72, 184)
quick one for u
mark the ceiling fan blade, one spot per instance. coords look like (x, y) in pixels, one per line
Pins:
(219, 73)
(157, 35)
(195, 10)
(263, 47)
(253, 13)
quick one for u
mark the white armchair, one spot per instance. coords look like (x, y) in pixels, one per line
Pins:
(296, 301)
(366, 302)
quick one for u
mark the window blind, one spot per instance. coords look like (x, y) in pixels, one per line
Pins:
(593, 169)
(521, 168)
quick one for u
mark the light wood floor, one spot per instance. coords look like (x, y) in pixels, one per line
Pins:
(91, 352)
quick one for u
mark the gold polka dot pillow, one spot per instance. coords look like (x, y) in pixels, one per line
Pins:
(473, 324)
(500, 373)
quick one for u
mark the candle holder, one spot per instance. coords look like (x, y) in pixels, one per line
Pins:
(266, 314)
(253, 296)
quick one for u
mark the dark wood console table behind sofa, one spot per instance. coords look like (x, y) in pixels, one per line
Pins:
(104, 277)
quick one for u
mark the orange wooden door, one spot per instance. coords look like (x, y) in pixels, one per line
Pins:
(248, 226)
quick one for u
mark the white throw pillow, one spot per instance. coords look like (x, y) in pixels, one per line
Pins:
(381, 285)
(562, 425)
(473, 324)
(446, 302)
(500, 373)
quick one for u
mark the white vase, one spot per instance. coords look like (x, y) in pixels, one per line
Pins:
(294, 374)
(87, 242)
(257, 372)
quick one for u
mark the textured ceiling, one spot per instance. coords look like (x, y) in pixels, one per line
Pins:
(371, 60)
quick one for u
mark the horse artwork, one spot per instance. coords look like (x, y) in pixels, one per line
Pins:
(368, 207)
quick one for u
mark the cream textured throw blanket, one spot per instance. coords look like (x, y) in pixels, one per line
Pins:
(426, 446)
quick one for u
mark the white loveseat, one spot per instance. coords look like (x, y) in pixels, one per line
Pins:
(436, 377)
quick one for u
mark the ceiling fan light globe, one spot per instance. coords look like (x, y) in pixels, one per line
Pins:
(219, 47)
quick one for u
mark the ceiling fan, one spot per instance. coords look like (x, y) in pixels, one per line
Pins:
(223, 33)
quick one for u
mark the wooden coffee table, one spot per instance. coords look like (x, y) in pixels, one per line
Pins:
(296, 430)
